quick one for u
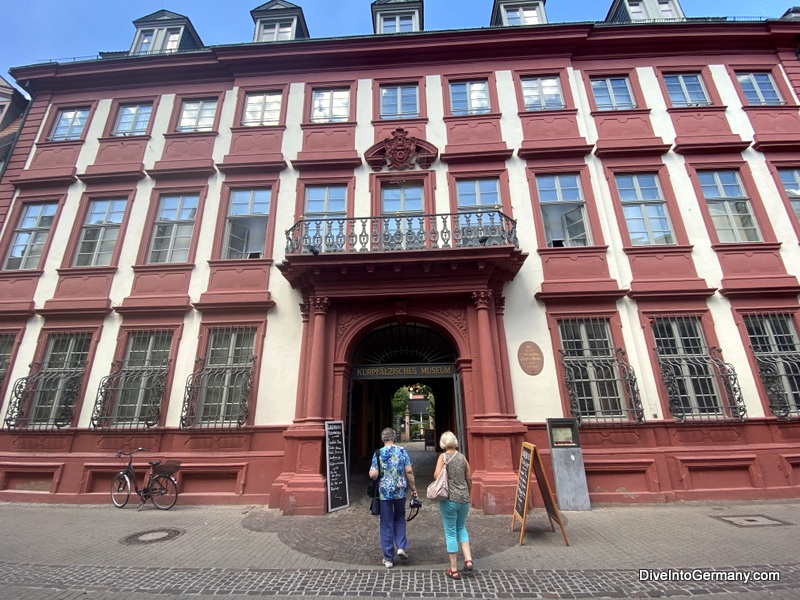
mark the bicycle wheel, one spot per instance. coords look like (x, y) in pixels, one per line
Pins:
(120, 490)
(164, 492)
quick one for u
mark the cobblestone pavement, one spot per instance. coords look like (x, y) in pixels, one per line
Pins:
(680, 550)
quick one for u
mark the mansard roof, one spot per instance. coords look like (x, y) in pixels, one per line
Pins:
(277, 8)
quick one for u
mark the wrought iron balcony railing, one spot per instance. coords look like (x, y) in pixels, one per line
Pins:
(780, 374)
(701, 386)
(401, 232)
(217, 395)
(130, 397)
(602, 388)
(45, 399)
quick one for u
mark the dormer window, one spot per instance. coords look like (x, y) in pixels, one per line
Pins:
(163, 32)
(279, 21)
(275, 31)
(645, 10)
(145, 42)
(513, 13)
(397, 16)
(156, 41)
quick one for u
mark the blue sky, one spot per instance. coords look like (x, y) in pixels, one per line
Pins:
(35, 30)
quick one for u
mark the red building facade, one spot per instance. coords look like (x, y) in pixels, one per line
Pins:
(212, 251)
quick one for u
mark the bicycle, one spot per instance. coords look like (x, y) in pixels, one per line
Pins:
(161, 487)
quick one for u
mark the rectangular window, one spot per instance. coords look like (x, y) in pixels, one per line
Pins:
(276, 31)
(69, 125)
(30, 236)
(330, 106)
(6, 347)
(791, 184)
(478, 207)
(132, 119)
(401, 23)
(469, 97)
(145, 41)
(402, 220)
(325, 217)
(262, 108)
(99, 233)
(131, 396)
(542, 93)
(686, 89)
(563, 210)
(56, 386)
(219, 394)
(729, 207)
(637, 11)
(246, 231)
(759, 89)
(644, 208)
(197, 115)
(172, 233)
(774, 341)
(666, 9)
(593, 376)
(399, 101)
(521, 15)
(612, 93)
(172, 40)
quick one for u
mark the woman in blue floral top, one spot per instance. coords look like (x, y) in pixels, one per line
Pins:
(396, 476)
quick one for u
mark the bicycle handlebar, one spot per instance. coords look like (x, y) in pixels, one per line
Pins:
(120, 453)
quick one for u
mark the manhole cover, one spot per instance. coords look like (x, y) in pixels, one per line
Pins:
(153, 536)
(752, 521)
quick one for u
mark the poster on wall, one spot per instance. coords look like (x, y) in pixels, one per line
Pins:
(338, 492)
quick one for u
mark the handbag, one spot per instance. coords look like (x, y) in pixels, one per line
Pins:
(438, 490)
(374, 489)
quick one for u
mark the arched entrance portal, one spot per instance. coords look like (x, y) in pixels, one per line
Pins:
(399, 355)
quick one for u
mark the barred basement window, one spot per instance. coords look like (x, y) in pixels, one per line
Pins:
(602, 386)
(131, 396)
(774, 341)
(218, 393)
(46, 398)
(701, 387)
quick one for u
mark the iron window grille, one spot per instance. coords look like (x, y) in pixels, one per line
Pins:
(700, 386)
(774, 342)
(46, 398)
(218, 392)
(602, 386)
(131, 396)
(409, 232)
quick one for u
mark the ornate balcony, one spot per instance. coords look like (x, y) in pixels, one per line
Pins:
(401, 232)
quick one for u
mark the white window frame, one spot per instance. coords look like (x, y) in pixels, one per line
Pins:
(563, 212)
(277, 30)
(148, 36)
(790, 178)
(30, 236)
(616, 96)
(330, 105)
(261, 109)
(755, 84)
(175, 226)
(197, 115)
(683, 94)
(397, 20)
(247, 222)
(476, 98)
(527, 14)
(542, 92)
(71, 122)
(141, 113)
(100, 232)
(643, 201)
(398, 93)
(729, 206)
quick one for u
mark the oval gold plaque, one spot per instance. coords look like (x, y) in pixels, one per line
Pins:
(530, 358)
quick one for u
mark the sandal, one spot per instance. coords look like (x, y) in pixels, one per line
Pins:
(453, 574)
(468, 566)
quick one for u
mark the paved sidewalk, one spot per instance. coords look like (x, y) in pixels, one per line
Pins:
(66, 552)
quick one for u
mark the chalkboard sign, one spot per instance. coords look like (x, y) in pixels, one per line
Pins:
(529, 457)
(430, 439)
(338, 493)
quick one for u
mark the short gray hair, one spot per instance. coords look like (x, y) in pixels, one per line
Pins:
(387, 434)
(448, 440)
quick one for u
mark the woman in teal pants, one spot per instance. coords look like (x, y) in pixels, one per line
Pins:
(456, 508)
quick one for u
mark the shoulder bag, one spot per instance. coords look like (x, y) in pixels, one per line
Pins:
(439, 490)
(374, 488)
